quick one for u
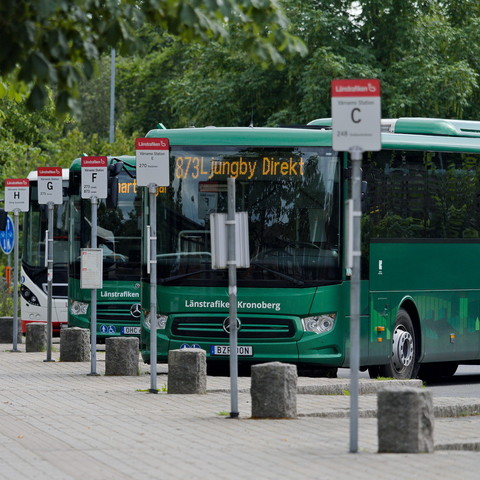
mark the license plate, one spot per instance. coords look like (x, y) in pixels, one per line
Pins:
(130, 330)
(242, 350)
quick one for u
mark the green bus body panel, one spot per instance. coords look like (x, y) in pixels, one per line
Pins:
(441, 280)
(271, 305)
(113, 307)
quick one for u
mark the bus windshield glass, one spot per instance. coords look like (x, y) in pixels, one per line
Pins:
(118, 231)
(35, 226)
(291, 195)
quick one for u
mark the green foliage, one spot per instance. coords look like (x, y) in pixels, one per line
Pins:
(58, 43)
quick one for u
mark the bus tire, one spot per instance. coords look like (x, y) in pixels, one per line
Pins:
(403, 358)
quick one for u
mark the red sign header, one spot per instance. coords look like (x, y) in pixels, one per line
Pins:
(17, 182)
(49, 171)
(151, 144)
(356, 88)
(94, 162)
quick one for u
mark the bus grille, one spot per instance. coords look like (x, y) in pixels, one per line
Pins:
(252, 327)
(117, 313)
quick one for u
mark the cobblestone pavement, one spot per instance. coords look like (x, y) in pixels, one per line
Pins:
(57, 422)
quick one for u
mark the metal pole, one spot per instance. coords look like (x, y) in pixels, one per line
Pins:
(93, 298)
(232, 291)
(152, 189)
(356, 157)
(15, 281)
(112, 97)
(49, 281)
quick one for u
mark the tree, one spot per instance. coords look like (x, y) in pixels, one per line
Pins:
(58, 42)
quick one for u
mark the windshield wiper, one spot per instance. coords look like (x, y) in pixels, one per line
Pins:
(294, 280)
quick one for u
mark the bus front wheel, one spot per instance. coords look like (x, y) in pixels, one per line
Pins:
(403, 358)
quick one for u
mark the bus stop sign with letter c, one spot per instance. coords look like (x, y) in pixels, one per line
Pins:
(356, 115)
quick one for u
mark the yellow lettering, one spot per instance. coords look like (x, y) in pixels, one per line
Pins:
(265, 166)
(252, 166)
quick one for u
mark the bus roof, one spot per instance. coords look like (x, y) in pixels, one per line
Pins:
(33, 177)
(261, 136)
(128, 159)
(420, 126)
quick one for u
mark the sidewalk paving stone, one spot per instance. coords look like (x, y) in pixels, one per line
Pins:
(57, 422)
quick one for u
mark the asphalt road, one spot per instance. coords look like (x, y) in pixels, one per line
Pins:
(465, 383)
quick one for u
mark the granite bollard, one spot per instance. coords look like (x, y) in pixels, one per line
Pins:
(274, 390)
(6, 330)
(405, 420)
(74, 344)
(121, 356)
(36, 338)
(187, 371)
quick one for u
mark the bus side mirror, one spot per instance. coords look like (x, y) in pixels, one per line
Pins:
(112, 187)
(3, 220)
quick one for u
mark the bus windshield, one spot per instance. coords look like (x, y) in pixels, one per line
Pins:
(35, 226)
(291, 195)
(118, 232)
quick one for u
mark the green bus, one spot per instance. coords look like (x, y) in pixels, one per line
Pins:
(420, 289)
(118, 234)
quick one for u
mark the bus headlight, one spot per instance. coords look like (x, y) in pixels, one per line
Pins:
(161, 321)
(320, 323)
(29, 296)
(78, 308)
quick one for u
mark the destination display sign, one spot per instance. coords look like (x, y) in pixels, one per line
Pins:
(211, 167)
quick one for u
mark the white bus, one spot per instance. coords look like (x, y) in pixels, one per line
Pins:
(33, 281)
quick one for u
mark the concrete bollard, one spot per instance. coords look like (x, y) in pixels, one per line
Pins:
(74, 344)
(36, 338)
(6, 330)
(274, 390)
(405, 420)
(187, 371)
(121, 356)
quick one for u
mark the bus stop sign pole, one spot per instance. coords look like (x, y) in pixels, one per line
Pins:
(356, 127)
(94, 186)
(16, 200)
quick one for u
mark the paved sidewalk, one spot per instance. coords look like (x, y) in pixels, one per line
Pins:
(57, 422)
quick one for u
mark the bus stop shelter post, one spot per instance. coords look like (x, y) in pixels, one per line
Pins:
(356, 158)
(15, 282)
(152, 189)
(50, 206)
(232, 291)
(93, 303)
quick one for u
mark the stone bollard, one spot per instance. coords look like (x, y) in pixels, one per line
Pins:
(274, 390)
(121, 356)
(74, 344)
(405, 420)
(36, 338)
(187, 371)
(6, 330)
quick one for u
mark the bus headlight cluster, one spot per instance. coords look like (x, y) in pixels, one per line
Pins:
(78, 308)
(320, 323)
(29, 296)
(161, 321)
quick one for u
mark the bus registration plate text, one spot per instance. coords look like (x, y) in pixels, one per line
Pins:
(242, 350)
(131, 330)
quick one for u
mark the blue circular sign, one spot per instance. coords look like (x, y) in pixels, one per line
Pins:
(7, 237)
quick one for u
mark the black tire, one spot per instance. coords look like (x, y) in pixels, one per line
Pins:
(403, 358)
